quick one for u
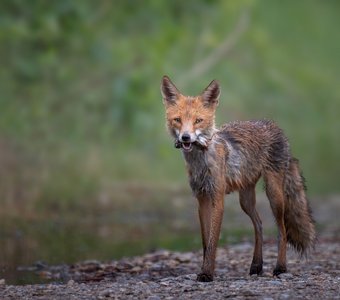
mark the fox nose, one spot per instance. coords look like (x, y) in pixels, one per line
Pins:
(185, 137)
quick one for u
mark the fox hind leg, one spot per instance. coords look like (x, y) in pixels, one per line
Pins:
(276, 196)
(248, 201)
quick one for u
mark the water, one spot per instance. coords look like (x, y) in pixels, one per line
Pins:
(108, 232)
(27, 246)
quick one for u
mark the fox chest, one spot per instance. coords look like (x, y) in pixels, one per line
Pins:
(202, 171)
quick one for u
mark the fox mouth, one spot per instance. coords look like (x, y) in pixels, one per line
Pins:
(187, 147)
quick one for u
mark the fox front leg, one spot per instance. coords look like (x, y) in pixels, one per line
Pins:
(211, 214)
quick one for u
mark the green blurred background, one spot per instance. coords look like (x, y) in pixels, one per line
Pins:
(87, 168)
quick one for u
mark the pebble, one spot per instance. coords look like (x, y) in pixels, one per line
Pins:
(154, 298)
(275, 282)
(286, 276)
(70, 282)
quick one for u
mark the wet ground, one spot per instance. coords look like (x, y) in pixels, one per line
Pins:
(81, 251)
(172, 275)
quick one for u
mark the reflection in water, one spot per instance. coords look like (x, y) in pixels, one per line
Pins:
(159, 220)
(27, 246)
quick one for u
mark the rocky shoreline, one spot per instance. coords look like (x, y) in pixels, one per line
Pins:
(172, 275)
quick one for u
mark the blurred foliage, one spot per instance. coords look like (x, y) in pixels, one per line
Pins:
(80, 105)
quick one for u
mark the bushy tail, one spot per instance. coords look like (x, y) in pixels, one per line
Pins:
(298, 218)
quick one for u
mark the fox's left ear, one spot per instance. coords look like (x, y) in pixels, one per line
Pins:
(211, 94)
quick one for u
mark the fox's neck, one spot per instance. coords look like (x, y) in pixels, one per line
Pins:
(192, 157)
(200, 163)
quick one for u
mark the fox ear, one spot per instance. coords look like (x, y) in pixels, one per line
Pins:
(169, 91)
(211, 94)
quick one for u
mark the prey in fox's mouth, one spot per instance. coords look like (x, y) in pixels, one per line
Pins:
(188, 146)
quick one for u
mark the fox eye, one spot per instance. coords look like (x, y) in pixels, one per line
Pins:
(198, 120)
(177, 120)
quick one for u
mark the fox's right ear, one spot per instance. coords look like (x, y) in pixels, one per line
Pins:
(169, 91)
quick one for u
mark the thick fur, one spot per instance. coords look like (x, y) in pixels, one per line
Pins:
(233, 158)
(298, 215)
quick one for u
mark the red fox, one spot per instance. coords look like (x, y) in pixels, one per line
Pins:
(233, 158)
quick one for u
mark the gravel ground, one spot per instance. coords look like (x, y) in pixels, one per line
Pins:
(171, 275)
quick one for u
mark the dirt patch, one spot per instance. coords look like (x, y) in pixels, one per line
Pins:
(172, 275)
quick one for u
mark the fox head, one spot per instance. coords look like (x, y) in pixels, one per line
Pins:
(190, 120)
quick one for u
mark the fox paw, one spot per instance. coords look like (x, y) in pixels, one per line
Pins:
(279, 270)
(202, 277)
(255, 269)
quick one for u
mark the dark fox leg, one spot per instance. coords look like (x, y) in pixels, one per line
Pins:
(276, 196)
(211, 214)
(248, 201)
